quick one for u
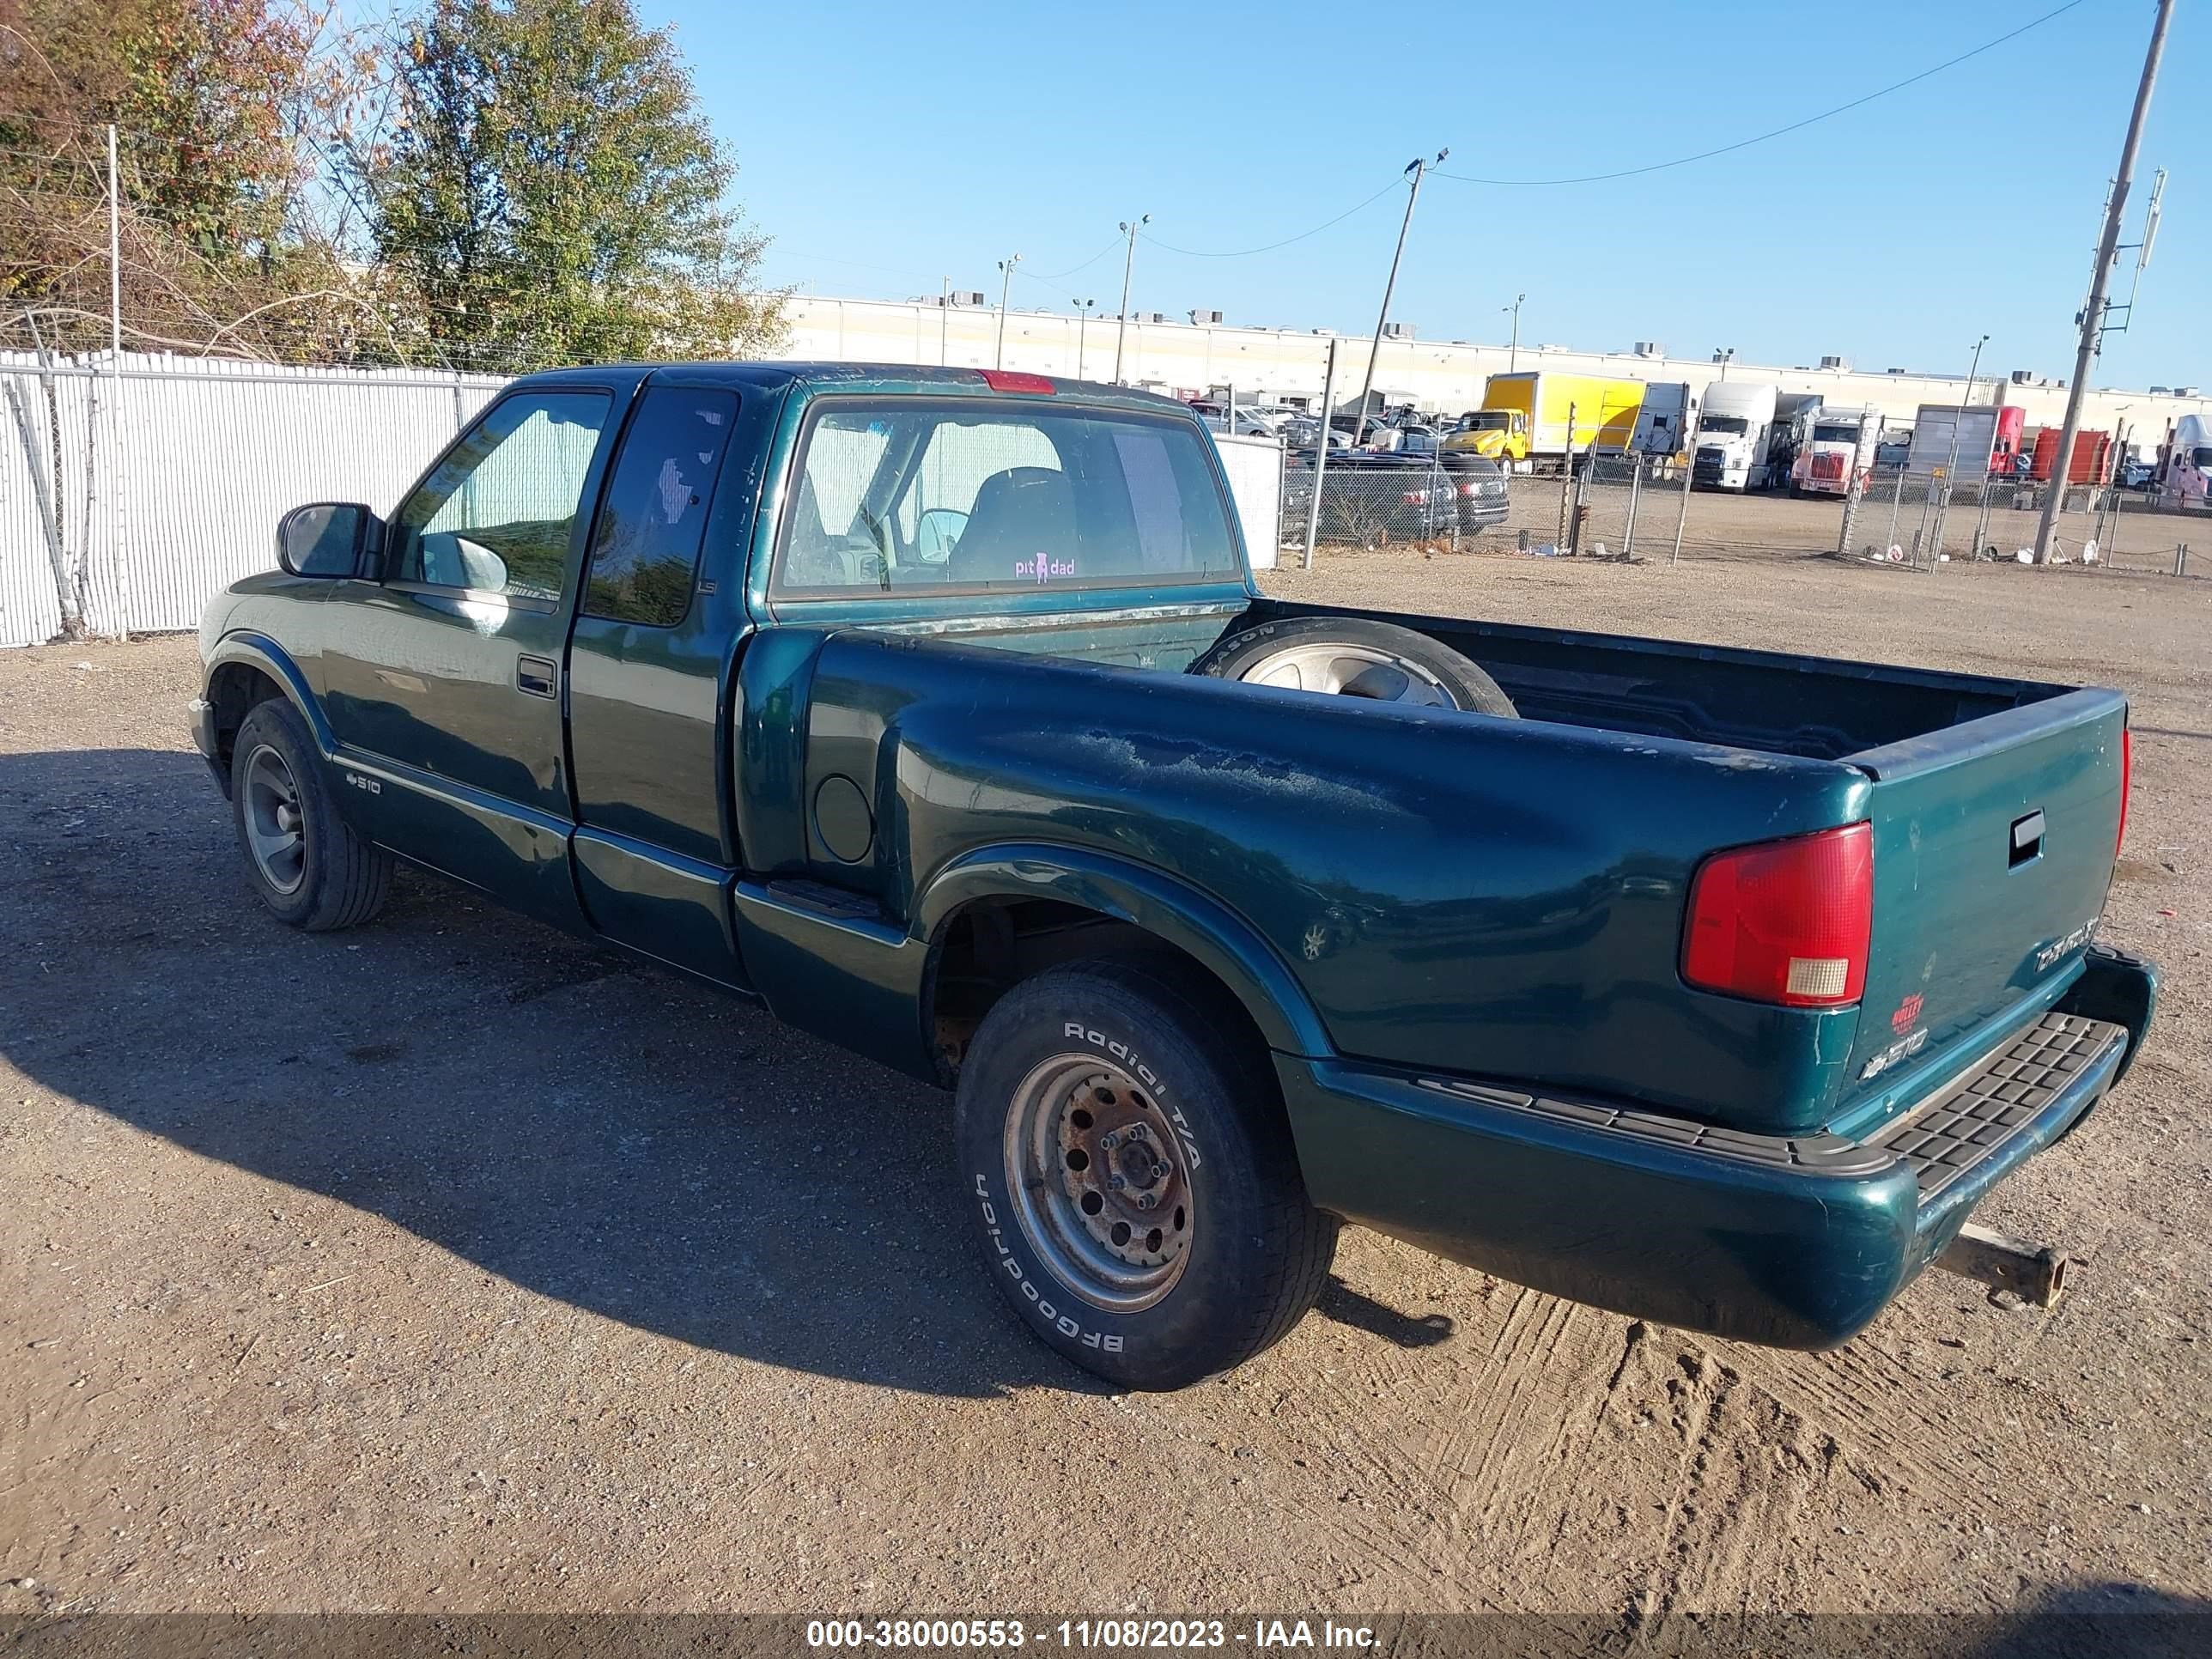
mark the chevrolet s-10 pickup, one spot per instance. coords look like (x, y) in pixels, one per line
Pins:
(939, 711)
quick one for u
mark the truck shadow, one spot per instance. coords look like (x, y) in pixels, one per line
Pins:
(582, 1126)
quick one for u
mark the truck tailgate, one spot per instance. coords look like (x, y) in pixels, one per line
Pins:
(1994, 844)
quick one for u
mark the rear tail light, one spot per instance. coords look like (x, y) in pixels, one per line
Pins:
(2127, 782)
(1785, 922)
(1012, 379)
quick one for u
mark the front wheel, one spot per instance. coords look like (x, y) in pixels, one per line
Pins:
(306, 863)
(1128, 1169)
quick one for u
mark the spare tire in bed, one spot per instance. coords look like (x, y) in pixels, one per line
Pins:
(1354, 658)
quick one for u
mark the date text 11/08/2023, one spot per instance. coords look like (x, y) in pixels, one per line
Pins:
(985, 1636)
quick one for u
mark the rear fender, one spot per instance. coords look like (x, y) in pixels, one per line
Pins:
(1216, 937)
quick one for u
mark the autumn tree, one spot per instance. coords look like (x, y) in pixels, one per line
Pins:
(215, 103)
(548, 192)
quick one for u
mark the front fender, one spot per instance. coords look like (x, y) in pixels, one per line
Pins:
(1208, 931)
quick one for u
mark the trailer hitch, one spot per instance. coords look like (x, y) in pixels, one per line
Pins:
(2034, 1273)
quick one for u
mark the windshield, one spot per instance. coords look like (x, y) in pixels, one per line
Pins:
(1734, 423)
(898, 492)
(2201, 458)
(1488, 420)
(1832, 433)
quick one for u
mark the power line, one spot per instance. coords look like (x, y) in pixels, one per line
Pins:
(1243, 252)
(1795, 126)
(1054, 275)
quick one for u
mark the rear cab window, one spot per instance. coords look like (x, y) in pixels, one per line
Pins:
(954, 494)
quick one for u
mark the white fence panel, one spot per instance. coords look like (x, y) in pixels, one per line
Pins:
(174, 470)
(1254, 468)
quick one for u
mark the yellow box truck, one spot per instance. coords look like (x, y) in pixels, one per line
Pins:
(1525, 416)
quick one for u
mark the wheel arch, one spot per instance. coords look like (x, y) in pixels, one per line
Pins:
(1066, 885)
(245, 670)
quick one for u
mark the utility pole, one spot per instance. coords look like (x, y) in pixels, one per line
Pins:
(1321, 454)
(1005, 285)
(1128, 263)
(1513, 351)
(114, 255)
(1414, 170)
(943, 322)
(2093, 315)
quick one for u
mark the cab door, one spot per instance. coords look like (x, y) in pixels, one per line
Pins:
(661, 616)
(442, 679)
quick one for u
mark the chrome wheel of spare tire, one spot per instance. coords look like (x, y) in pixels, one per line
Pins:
(276, 826)
(1099, 1181)
(1355, 657)
(1351, 671)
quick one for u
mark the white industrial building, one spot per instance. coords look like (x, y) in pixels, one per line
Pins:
(1194, 354)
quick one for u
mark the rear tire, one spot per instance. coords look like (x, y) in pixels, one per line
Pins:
(1353, 656)
(1125, 1159)
(305, 863)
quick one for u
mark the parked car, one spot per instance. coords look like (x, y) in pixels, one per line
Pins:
(937, 710)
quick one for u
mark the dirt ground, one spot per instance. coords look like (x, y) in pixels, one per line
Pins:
(451, 1264)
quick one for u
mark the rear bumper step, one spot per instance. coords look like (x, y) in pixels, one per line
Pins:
(1971, 1123)
(1792, 1241)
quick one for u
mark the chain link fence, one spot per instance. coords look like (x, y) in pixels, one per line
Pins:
(1648, 508)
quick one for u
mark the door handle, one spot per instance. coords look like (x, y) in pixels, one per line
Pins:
(535, 676)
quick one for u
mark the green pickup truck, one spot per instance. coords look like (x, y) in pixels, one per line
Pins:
(939, 711)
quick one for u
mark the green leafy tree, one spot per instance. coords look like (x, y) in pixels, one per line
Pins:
(548, 192)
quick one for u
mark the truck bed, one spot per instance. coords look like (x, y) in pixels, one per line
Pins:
(1515, 907)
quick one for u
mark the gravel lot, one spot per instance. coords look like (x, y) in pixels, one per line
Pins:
(452, 1264)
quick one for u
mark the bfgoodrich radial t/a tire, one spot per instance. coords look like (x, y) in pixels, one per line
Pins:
(1125, 1162)
(1356, 657)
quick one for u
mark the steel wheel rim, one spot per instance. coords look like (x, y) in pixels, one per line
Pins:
(1347, 670)
(1079, 1124)
(275, 825)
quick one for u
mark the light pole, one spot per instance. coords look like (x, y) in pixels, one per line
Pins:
(1005, 284)
(943, 322)
(1959, 421)
(1414, 170)
(1513, 351)
(1082, 323)
(1129, 229)
(1724, 355)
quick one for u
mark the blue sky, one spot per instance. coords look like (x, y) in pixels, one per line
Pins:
(884, 147)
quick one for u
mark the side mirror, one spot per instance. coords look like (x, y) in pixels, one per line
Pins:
(329, 539)
(935, 536)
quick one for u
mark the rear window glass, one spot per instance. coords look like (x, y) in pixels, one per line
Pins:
(950, 493)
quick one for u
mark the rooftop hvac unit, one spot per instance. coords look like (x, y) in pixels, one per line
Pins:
(963, 296)
(2161, 392)
(1323, 331)
(1837, 363)
(2023, 377)
(1894, 371)
(1649, 348)
(1152, 316)
(1204, 317)
(2185, 392)
(1397, 330)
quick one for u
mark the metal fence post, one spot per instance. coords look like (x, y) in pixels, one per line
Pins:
(1981, 525)
(1635, 490)
(1320, 455)
(1682, 517)
(1567, 485)
(1852, 491)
